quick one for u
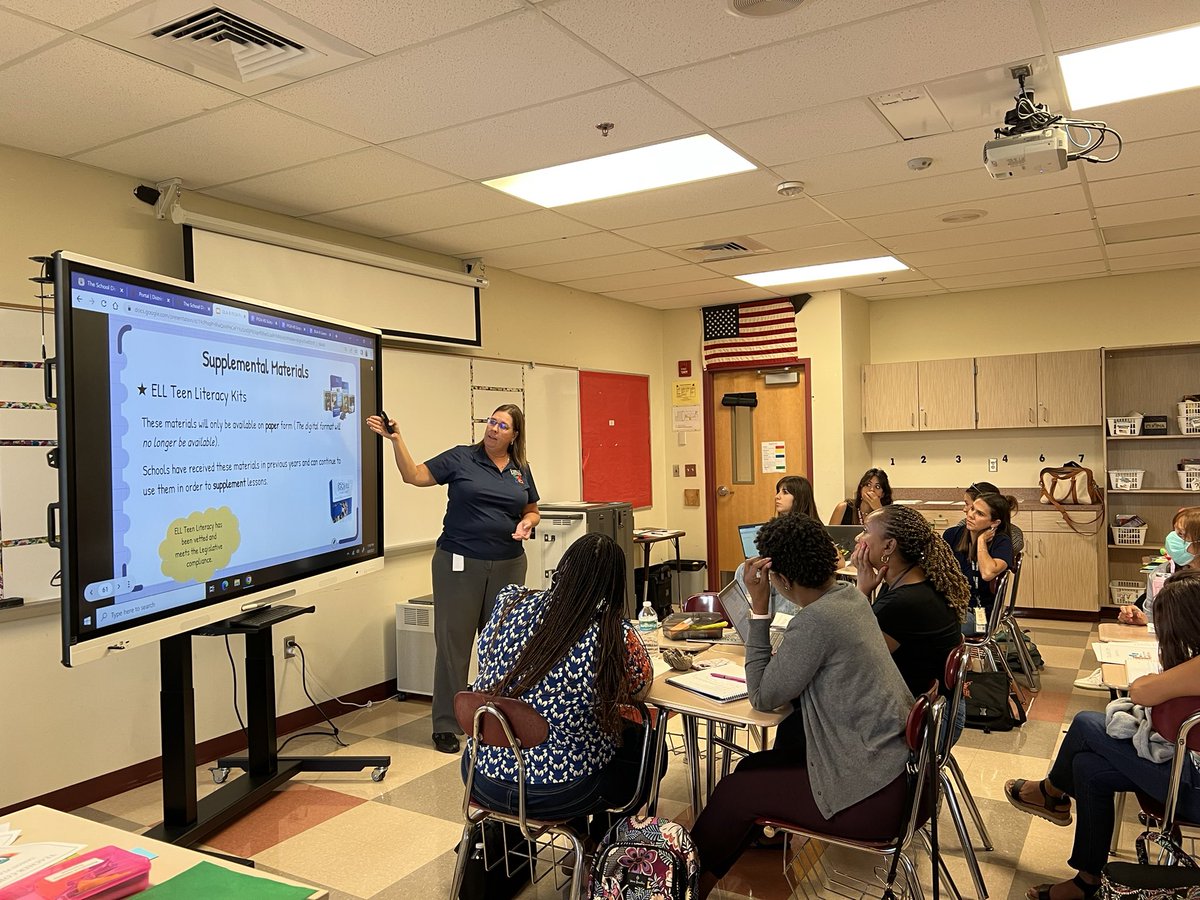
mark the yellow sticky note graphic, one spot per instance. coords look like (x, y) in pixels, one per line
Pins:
(195, 547)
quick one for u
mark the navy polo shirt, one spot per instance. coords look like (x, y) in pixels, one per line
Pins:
(485, 502)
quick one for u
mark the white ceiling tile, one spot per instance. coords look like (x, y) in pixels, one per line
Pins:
(583, 246)
(1081, 23)
(1062, 199)
(904, 48)
(807, 133)
(680, 201)
(378, 26)
(441, 208)
(1013, 263)
(553, 133)
(1000, 249)
(1023, 276)
(1153, 247)
(512, 231)
(720, 226)
(903, 289)
(671, 275)
(813, 256)
(227, 145)
(617, 264)
(959, 189)
(695, 301)
(994, 233)
(1149, 211)
(707, 290)
(1139, 157)
(70, 14)
(1174, 260)
(805, 236)
(504, 64)
(78, 94)
(21, 36)
(347, 180)
(1147, 118)
(696, 30)
(1151, 186)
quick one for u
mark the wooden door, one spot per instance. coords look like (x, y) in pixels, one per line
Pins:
(1068, 388)
(1006, 391)
(890, 397)
(1065, 572)
(781, 415)
(946, 392)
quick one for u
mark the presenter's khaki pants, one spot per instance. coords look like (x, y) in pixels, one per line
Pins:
(462, 604)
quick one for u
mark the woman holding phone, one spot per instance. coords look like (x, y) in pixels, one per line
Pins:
(491, 508)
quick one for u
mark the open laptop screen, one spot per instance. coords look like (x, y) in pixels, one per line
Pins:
(749, 534)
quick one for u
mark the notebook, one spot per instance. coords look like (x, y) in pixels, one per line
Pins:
(724, 685)
(749, 535)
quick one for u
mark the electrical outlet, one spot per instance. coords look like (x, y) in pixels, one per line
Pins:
(689, 470)
(993, 464)
(289, 652)
(675, 471)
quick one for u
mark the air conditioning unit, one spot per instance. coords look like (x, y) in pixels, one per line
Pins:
(415, 648)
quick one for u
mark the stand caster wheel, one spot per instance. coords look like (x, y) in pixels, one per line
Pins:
(401, 696)
(219, 774)
(378, 772)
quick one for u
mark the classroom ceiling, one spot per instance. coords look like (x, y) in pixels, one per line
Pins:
(389, 129)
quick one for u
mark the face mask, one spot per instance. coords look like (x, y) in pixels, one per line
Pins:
(1177, 547)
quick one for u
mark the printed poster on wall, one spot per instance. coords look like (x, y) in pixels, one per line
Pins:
(685, 418)
(774, 457)
(685, 393)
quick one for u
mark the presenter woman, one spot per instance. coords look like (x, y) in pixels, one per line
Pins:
(491, 509)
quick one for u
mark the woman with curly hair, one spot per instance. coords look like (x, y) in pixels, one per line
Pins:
(873, 491)
(844, 740)
(922, 597)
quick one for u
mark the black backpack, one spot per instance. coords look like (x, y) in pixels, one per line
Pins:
(992, 702)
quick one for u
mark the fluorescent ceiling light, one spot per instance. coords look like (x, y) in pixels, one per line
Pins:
(1139, 68)
(847, 269)
(659, 165)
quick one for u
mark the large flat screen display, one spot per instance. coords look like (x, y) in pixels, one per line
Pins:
(213, 454)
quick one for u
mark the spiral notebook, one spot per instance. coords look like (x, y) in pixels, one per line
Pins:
(723, 685)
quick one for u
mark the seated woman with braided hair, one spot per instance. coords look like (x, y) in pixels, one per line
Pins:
(922, 597)
(569, 653)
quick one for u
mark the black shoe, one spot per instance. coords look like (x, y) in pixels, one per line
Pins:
(445, 741)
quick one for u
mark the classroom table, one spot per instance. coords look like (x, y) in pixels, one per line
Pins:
(1114, 631)
(40, 823)
(693, 707)
(648, 536)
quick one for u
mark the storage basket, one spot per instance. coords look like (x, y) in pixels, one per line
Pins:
(1126, 479)
(1125, 425)
(1189, 479)
(1188, 424)
(1129, 535)
(1189, 408)
(1125, 591)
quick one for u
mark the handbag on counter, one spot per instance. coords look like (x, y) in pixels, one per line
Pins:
(1071, 485)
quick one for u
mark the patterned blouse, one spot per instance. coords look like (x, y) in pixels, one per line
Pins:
(576, 747)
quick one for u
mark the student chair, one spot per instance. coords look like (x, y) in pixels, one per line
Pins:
(898, 826)
(1008, 622)
(950, 774)
(1174, 719)
(705, 601)
(986, 644)
(514, 724)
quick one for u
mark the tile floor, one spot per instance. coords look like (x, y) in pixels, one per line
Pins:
(394, 839)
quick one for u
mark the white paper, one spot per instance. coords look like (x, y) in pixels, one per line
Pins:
(685, 418)
(774, 456)
(1136, 668)
(780, 621)
(661, 666)
(456, 563)
(1122, 651)
(24, 860)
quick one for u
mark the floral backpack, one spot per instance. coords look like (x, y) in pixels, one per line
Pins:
(644, 857)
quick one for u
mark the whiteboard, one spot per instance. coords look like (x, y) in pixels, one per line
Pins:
(439, 401)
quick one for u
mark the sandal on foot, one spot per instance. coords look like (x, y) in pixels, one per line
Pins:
(1042, 891)
(1052, 809)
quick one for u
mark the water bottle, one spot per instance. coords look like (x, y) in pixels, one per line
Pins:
(647, 625)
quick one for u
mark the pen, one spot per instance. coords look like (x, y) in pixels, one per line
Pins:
(725, 677)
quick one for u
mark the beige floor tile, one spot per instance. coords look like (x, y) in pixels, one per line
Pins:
(986, 770)
(1061, 657)
(364, 849)
(382, 716)
(408, 762)
(1047, 848)
(143, 805)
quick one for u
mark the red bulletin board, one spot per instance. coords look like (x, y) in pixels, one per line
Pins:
(614, 428)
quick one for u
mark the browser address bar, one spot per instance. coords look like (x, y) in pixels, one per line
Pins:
(228, 327)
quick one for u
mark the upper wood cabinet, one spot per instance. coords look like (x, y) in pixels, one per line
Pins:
(933, 395)
(1006, 391)
(1068, 388)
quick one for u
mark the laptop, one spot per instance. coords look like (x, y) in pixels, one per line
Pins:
(737, 610)
(845, 536)
(749, 535)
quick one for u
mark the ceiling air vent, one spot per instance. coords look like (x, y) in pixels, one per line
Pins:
(244, 45)
(727, 249)
(759, 9)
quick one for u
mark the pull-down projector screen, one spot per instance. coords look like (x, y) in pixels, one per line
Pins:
(397, 303)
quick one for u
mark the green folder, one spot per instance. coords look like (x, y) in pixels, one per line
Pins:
(208, 880)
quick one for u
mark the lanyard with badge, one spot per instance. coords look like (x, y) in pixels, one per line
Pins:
(977, 598)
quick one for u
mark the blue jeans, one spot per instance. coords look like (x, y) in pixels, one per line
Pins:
(542, 801)
(1093, 768)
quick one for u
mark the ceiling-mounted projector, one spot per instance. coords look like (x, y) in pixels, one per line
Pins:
(1034, 153)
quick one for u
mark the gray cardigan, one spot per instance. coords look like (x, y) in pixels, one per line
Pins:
(834, 666)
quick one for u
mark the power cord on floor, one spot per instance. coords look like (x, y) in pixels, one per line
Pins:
(233, 671)
(334, 732)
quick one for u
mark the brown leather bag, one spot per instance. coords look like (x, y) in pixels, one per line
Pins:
(1071, 485)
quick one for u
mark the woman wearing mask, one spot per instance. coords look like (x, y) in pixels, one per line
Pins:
(1183, 547)
(984, 552)
(873, 492)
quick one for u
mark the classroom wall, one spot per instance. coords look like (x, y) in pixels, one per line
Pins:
(54, 204)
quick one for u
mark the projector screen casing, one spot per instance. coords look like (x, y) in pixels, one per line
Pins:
(85, 480)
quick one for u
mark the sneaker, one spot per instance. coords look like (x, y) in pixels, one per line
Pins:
(445, 741)
(1093, 682)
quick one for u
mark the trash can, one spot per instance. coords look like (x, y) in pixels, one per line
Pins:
(689, 575)
(660, 588)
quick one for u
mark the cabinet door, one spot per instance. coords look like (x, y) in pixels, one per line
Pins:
(890, 397)
(1068, 388)
(1006, 391)
(1065, 573)
(946, 390)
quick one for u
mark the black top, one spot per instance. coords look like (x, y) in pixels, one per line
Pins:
(920, 620)
(1001, 547)
(484, 504)
(848, 514)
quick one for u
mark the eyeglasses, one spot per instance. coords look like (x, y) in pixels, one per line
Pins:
(496, 423)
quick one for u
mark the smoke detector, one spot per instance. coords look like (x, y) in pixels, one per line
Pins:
(789, 188)
(761, 9)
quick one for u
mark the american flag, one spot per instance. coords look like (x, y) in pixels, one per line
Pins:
(762, 332)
